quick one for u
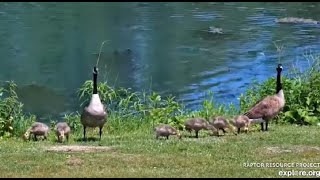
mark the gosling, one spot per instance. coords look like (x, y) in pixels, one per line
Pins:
(198, 124)
(62, 131)
(241, 121)
(221, 123)
(37, 129)
(166, 130)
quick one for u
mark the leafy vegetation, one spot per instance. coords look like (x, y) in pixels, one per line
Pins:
(130, 111)
(123, 104)
(12, 120)
(131, 116)
(301, 94)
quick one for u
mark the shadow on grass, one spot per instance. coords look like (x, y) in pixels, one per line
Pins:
(90, 139)
(194, 137)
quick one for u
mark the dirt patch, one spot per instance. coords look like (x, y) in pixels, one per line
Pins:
(74, 161)
(77, 148)
(292, 149)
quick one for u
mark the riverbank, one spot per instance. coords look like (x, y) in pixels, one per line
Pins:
(138, 154)
(129, 148)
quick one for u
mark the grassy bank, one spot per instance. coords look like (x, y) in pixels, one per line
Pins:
(138, 154)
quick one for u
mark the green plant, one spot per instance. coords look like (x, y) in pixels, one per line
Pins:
(12, 119)
(301, 94)
(123, 104)
(210, 108)
(22, 123)
(73, 120)
(129, 110)
(53, 124)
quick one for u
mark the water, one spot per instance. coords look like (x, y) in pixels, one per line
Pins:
(49, 49)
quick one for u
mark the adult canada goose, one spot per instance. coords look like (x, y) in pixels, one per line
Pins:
(270, 106)
(94, 115)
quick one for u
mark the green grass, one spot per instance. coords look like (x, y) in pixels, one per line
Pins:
(136, 152)
(139, 154)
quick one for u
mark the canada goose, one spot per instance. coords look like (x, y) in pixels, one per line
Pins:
(220, 123)
(94, 115)
(241, 121)
(62, 130)
(270, 106)
(198, 124)
(36, 129)
(166, 130)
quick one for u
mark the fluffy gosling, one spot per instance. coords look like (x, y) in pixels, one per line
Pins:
(241, 121)
(221, 123)
(37, 129)
(198, 124)
(62, 131)
(166, 130)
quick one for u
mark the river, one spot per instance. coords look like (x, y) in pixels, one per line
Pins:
(50, 48)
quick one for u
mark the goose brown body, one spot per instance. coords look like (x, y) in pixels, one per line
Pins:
(241, 121)
(166, 130)
(62, 130)
(198, 124)
(94, 115)
(270, 106)
(37, 129)
(221, 123)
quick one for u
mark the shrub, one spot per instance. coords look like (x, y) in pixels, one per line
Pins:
(129, 110)
(301, 92)
(12, 119)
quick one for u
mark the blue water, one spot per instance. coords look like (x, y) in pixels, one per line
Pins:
(49, 49)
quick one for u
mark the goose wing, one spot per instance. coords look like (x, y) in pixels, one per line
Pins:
(264, 108)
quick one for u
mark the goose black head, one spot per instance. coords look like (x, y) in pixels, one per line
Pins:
(95, 70)
(279, 68)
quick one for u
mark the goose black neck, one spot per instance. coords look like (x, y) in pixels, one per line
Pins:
(95, 89)
(279, 85)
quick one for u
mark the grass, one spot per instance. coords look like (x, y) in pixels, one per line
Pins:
(139, 154)
(136, 153)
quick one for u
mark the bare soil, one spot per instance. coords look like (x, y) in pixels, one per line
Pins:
(79, 148)
(292, 149)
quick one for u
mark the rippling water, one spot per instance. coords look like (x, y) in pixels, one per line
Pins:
(49, 49)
